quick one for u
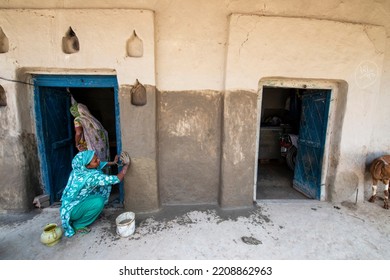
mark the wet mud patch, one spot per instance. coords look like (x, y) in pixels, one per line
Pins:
(258, 217)
(251, 240)
(183, 216)
(151, 226)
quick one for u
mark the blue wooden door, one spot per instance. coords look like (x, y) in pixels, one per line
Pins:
(56, 138)
(312, 130)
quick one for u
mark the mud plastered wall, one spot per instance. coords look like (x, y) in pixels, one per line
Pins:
(261, 47)
(189, 147)
(191, 42)
(35, 38)
(139, 136)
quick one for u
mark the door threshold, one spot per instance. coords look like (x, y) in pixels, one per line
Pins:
(272, 201)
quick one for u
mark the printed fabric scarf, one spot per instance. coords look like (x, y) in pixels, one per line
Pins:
(93, 131)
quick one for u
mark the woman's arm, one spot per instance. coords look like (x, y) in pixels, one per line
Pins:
(121, 174)
(105, 180)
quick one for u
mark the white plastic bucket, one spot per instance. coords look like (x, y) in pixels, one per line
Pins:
(125, 224)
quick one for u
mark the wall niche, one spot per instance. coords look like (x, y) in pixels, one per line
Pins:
(135, 46)
(70, 42)
(3, 97)
(4, 44)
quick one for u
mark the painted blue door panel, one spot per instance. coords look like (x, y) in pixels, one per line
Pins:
(57, 138)
(308, 164)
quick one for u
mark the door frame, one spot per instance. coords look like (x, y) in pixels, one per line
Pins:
(69, 81)
(336, 87)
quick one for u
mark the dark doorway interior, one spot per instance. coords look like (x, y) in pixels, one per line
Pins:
(274, 181)
(280, 115)
(100, 103)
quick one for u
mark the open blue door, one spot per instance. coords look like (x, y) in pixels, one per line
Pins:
(312, 132)
(54, 128)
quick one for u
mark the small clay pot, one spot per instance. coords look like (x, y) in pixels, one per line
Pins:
(138, 94)
(51, 234)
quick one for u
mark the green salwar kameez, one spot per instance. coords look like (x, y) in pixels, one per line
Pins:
(86, 212)
(85, 194)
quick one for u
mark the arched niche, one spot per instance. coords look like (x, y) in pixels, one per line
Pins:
(3, 97)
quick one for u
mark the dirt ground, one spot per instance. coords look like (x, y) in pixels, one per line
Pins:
(271, 230)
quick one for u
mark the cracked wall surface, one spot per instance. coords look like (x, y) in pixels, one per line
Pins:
(299, 48)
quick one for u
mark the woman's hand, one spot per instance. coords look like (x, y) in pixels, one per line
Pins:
(81, 147)
(110, 163)
(116, 159)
